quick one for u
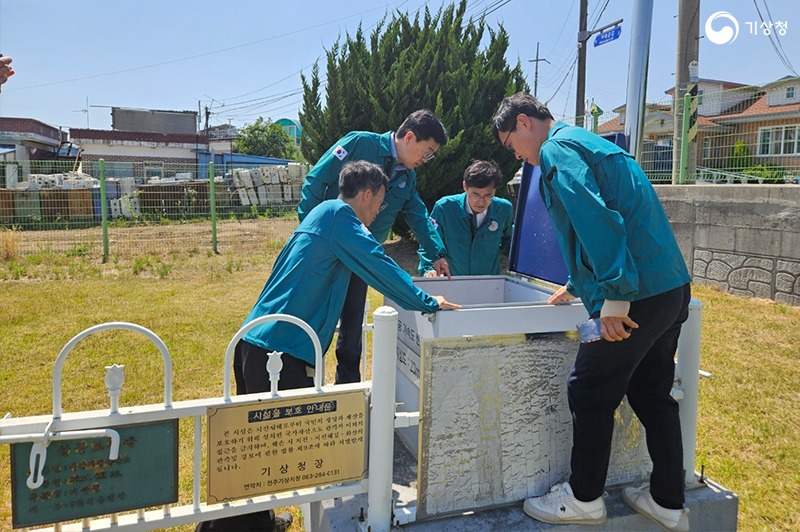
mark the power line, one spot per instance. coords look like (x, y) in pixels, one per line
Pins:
(206, 54)
(781, 53)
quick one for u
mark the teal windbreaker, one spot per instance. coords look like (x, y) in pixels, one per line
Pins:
(616, 240)
(310, 277)
(471, 251)
(322, 183)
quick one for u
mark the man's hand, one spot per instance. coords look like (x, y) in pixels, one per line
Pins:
(431, 273)
(445, 304)
(442, 268)
(5, 69)
(560, 296)
(616, 329)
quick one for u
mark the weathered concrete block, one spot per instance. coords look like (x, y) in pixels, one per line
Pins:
(731, 259)
(790, 243)
(762, 290)
(703, 254)
(699, 268)
(788, 266)
(787, 299)
(715, 237)
(757, 242)
(758, 262)
(784, 282)
(718, 270)
(741, 293)
(742, 277)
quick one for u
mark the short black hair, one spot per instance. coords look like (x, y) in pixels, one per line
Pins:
(424, 125)
(521, 103)
(359, 175)
(481, 174)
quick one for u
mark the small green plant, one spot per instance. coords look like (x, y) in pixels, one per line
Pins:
(740, 157)
(78, 250)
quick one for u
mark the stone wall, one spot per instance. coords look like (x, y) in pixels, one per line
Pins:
(743, 238)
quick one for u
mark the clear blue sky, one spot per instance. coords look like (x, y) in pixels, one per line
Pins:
(243, 58)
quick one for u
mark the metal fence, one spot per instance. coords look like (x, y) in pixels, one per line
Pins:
(743, 135)
(128, 209)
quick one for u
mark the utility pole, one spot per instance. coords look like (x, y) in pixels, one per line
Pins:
(687, 54)
(208, 113)
(583, 39)
(580, 91)
(536, 71)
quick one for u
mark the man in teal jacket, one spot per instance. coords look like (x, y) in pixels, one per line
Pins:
(309, 280)
(412, 145)
(475, 226)
(625, 265)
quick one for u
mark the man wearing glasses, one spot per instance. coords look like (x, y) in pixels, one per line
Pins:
(625, 265)
(413, 144)
(475, 226)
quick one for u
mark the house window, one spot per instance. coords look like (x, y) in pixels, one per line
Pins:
(706, 148)
(779, 140)
(153, 169)
(700, 97)
(790, 92)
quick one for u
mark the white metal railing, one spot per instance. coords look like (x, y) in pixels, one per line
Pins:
(42, 429)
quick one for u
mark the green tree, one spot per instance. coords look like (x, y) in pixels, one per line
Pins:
(436, 61)
(740, 157)
(266, 138)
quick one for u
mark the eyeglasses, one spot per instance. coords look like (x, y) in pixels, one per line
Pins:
(428, 156)
(505, 142)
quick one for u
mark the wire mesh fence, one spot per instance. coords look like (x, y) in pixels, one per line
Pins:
(129, 209)
(744, 135)
(748, 134)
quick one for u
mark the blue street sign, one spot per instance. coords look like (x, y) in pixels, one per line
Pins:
(607, 36)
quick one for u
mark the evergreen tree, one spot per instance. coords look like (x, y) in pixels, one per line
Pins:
(436, 61)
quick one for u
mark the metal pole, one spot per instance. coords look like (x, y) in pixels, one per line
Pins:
(687, 102)
(213, 200)
(580, 91)
(637, 75)
(687, 371)
(103, 208)
(381, 421)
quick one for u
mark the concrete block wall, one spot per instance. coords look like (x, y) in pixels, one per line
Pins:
(743, 238)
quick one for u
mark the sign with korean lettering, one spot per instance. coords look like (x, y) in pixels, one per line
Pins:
(284, 444)
(80, 480)
(608, 36)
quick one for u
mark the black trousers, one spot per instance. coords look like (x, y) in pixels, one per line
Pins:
(643, 368)
(250, 372)
(348, 346)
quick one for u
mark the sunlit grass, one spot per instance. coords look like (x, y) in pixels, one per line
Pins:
(748, 430)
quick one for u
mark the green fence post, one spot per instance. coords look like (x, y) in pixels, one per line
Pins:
(104, 208)
(687, 102)
(213, 198)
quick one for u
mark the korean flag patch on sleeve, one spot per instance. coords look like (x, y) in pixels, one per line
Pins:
(340, 153)
(434, 223)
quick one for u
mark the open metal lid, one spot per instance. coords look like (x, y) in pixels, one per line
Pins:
(534, 245)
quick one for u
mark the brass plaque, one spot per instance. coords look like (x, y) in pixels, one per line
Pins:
(283, 444)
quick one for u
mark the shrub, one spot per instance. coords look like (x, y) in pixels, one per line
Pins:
(767, 173)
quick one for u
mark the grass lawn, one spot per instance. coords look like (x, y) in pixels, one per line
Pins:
(748, 433)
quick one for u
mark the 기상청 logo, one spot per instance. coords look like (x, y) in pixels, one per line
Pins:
(725, 35)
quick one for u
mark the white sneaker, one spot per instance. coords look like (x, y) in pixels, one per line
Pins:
(640, 500)
(560, 506)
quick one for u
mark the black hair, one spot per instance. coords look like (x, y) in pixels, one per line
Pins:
(521, 103)
(424, 125)
(359, 175)
(481, 174)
